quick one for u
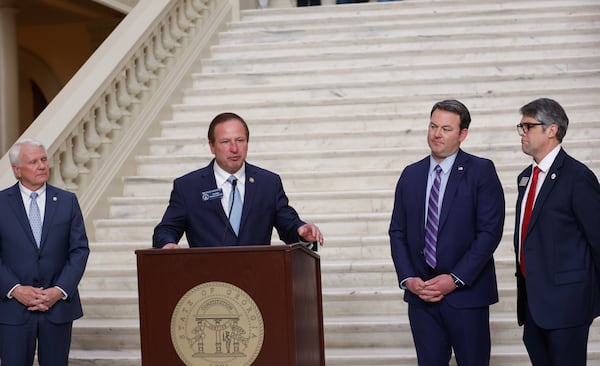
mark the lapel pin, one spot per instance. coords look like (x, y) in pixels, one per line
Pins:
(54, 199)
(251, 180)
(553, 176)
(460, 168)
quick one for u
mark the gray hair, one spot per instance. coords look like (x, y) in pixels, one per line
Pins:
(548, 112)
(15, 151)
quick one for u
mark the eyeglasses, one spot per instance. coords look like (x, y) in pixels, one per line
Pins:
(526, 126)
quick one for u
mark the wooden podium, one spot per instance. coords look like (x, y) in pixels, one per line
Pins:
(203, 306)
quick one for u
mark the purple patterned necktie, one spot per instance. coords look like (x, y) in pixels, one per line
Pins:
(431, 227)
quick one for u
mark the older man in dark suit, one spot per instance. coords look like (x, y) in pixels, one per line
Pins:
(204, 203)
(43, 254)
(557, 241)
(446, 224)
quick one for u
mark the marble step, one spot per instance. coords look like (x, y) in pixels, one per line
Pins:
(325, 160)
(417, 13)
(262, 45)
(501, 118)
(389, 331)
(384, 331)
(353, 223)
(511, 355)
(393, 135)
(351, 89)
(359, 299)
(113, 357)
(359, 273)
(314, 181)
(501, 355)
(356, 57)
(364, 104)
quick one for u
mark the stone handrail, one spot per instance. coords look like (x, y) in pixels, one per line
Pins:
(94, 123)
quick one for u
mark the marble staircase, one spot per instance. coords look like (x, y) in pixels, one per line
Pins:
(337, 99)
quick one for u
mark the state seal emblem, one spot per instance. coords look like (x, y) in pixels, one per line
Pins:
(217, 324)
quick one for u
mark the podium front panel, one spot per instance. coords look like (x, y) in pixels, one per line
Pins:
(283, 281)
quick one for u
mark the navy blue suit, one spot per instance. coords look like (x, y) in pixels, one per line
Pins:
(470, 229)
(60, 261)
(561, 248)
(205, 223)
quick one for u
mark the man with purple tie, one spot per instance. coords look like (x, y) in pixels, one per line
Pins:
(446, 223)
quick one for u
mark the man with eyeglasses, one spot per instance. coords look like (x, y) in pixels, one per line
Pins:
(447, 221)
(556, 240)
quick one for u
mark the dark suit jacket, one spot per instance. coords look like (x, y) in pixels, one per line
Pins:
(470, 228)
(60, 260)
(205, 223)
(562, 247)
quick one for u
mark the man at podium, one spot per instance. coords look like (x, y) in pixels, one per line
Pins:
(230, 202)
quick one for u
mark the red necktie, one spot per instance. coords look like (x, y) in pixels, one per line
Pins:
(527, 216)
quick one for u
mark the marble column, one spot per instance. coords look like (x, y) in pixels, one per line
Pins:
(9, 76)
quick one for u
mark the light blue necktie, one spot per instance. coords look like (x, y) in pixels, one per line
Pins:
(431, 227)
(235, 205)
(35, 220)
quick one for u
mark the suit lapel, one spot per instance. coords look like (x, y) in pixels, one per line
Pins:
(456, 173)
(552, 177)
(52, 202)
(250, 193)
(16, 204)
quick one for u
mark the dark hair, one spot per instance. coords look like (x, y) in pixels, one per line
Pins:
(548, 112)
(453, 105)
(224, 117)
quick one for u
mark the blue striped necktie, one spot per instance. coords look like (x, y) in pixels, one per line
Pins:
(431, 227)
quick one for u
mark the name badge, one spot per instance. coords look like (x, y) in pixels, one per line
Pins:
(213, 194)
(523, 182)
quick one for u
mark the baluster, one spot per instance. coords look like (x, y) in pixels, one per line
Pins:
(114, 114)
(124, 100)
(183, 20)
(141, 72)
(176, 32)
(55, 176)
(152, 63)
(169, 43)
(68, 169)
(160, 52)
(104, 127)
(92, 140)
(81, 156)
(134, 87)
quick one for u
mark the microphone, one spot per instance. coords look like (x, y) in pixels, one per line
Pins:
(228, 224)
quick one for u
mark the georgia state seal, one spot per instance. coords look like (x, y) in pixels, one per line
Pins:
(217, 324)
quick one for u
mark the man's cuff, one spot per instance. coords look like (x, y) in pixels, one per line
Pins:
(65, 296)
(9, 294)
(403, 283)
(457, 281)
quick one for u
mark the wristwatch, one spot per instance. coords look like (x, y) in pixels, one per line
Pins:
(457, 281)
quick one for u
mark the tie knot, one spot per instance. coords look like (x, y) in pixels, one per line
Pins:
(536, 170)
(34, 195)
(232, 179)
(438, 169)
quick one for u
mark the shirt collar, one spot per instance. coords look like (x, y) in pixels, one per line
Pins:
(27, 192)
(446, 164)
(221, 175)
(548, 160)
